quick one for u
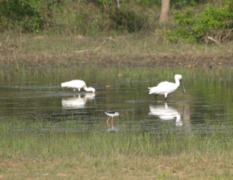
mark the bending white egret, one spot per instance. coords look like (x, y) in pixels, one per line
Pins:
(165, 88)
(77, 84)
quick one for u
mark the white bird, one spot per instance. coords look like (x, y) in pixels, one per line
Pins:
(111, 114)
(165, 88)
(166, 113)
(77, 84)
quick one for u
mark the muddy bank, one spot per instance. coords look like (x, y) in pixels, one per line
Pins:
(166, 60)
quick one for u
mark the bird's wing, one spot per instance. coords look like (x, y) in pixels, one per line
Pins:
(74, 84)
(161, 88)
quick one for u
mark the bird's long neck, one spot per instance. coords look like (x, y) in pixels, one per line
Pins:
(87, 89)
(177, 82)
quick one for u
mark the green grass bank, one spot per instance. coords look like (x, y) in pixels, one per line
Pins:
(125, 50)
(31, 152)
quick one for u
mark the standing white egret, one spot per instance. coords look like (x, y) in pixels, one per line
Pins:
(77, 84)
(165, 88)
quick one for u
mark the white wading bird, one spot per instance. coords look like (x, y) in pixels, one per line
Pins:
(111, 114)
(165, 88)
(77, 84)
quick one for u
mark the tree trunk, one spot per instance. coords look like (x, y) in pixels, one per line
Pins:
(116, 2)
(164, 11)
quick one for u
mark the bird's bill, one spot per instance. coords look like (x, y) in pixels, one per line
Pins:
(183, 89)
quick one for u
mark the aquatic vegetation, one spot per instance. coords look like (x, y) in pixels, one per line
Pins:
(42, 139)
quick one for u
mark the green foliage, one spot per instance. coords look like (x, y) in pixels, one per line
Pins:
(104, 2)
(28, 16)
(93, 16)
(127, 19)
(212, 21)
(174, 3)
(182, 3)
(150, 3)
(25, 13)
(183, 31)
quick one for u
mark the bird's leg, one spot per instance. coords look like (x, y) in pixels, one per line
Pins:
(156, 96)
(112, 122)
(107, 121)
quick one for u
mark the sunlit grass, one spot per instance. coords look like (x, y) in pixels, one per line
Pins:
(26, 150)
(40, 148)
(45, 139)
(74, 49)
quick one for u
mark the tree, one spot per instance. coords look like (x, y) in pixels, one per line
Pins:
(164, 11)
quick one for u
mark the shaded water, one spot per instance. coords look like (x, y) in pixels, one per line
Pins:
(36, 95)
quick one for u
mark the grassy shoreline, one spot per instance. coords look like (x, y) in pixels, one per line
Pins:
(125, 50)
(27, 151)
(124, 156)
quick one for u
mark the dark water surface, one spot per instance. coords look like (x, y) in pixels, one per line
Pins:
(207, 103)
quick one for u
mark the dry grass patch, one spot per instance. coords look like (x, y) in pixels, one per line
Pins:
(132, 50)
(162, 167)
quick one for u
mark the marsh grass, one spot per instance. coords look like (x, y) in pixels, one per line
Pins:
(113, 74)
(125, 155)
(37, 149)
(30, 148)
(40, 139)
(128, 49)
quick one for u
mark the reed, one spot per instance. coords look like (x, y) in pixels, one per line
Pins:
(48, 140)
(125, 50)
(114, 74)
(38, 149)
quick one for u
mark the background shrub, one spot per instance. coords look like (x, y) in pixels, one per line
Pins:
(192, 23)
(213, 21)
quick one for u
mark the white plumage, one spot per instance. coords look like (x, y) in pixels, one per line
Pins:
(112, 114)
(77, 84)
(165, 88)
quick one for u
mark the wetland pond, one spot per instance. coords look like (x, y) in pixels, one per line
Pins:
(34, 94)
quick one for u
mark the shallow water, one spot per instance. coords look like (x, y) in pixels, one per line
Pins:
(205, 105)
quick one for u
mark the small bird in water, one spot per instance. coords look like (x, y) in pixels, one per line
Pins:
(165, 88)
(111, 115)
(77, 84)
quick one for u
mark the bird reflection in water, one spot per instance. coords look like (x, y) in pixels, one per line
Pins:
(77, 102)
(166, 113)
